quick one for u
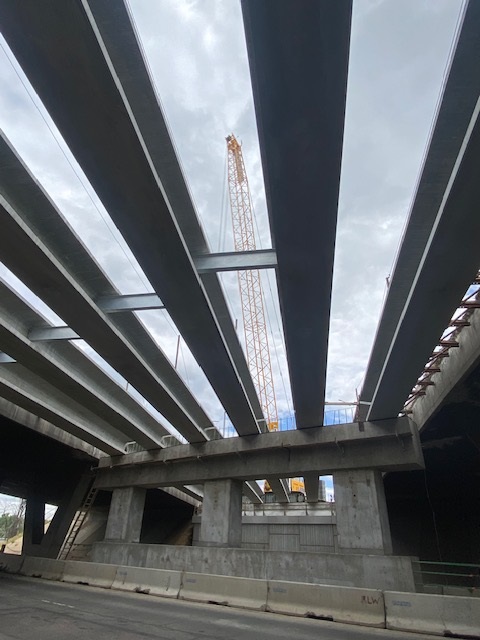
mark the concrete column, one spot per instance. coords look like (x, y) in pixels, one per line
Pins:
(362, 518)
(34, 525)
(126, 514)
(312, 486)
(221, 524)
(66, 511)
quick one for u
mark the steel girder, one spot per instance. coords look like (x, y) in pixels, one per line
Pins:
(298, 53)
(100, 116)
(65, 367)
(438, 257)
(30, 392)
(39, 247)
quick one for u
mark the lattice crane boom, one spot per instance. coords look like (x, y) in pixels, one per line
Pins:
(251, 294)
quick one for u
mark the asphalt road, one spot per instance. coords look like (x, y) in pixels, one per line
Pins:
(33, 609)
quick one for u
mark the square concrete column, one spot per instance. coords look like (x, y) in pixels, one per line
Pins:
(64, 515)
(221, 524)
(126, 514)
(33, 526)
(362, 518)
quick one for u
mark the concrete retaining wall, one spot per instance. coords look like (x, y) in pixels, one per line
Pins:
(393, 573)
(423, 613)
(312, 534)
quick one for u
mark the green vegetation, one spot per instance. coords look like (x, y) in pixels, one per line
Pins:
(10, 525)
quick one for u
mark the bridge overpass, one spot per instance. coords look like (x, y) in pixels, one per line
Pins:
(86, 64)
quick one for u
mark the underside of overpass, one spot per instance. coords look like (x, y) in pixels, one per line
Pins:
(435, 513)
(34, 464)
(406, 479)
(42, 470)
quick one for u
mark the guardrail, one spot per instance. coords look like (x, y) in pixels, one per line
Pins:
(446, 574)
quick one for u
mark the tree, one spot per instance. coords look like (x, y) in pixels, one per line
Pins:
(11, 518)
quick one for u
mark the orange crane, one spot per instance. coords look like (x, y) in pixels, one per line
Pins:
(251, 293)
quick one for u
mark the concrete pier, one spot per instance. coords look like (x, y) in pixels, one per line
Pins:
(362, 518)
(126, 515)
(34, 524)
(222, 514)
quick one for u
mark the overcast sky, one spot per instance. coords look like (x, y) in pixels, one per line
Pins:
(197, 55)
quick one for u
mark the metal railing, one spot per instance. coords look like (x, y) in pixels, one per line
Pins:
(446, 574)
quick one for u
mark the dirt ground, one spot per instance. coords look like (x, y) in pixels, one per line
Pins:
(14, 545)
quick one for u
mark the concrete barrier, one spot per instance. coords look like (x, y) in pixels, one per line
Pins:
(340, 604)
(11, 563)
(96, 575)
(155, 582)
(235, 592)
(43, 568)
(444, 615)
(440, 615)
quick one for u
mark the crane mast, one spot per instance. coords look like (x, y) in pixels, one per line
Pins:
(251, 294)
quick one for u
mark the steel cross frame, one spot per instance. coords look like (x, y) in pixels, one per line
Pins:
(459, 321)
(69, 370)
